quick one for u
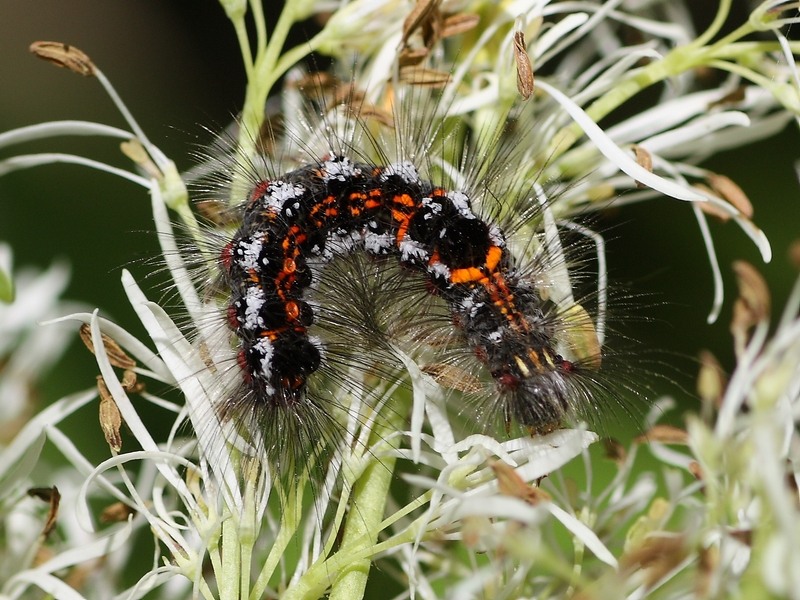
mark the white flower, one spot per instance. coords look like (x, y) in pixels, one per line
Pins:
(26, 350)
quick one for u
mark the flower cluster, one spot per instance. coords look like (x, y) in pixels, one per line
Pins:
(478, 515)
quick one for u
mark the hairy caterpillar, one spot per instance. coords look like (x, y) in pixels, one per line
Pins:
(359, 245)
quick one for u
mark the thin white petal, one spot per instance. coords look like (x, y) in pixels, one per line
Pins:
(663, 117)
(486, 442)
(561, 290)
(192, 376)
(26, 161)
(602, 276)
(569, 23)
(150, 581)
(21, 455)
(58, 128)
(669, 456)
(82, 465)
(719, 294)
(693, 137)
(583, 533)
(618, 156)
(131, 344)
(499, 507)
(762, 128)
(551, 452)
(422, 387)
(177, 268)
(52, 585)
(116, 538)
(164, 527)
(132, 420)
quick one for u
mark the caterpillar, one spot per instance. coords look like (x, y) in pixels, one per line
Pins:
(338, 207)
(291, 280)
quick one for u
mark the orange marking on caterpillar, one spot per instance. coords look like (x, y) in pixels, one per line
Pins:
(479, 274)
(273, 334)
(294, 238)
(493, 256)
(374, 199)
(503, 298)
(468, 275)
(404, 200)
(292, 310)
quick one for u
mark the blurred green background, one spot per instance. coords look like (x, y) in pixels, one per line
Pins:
(176, 66)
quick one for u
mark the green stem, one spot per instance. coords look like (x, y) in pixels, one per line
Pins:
(257, 10)
(743, 72)
(728, 40)
(236, 11)
(228, 580)
(719, 20)
(408, 509)
(270, 64)
(312, 585)
(349, 566)
(749, 49)
(244, 46)
(294, 55)
(248, 533)
(292, 511)
(260, 84)
(366, 517)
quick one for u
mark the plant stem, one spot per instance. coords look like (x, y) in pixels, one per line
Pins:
(349, 566)
(365, 518)
(231, 562)
(292, 505)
